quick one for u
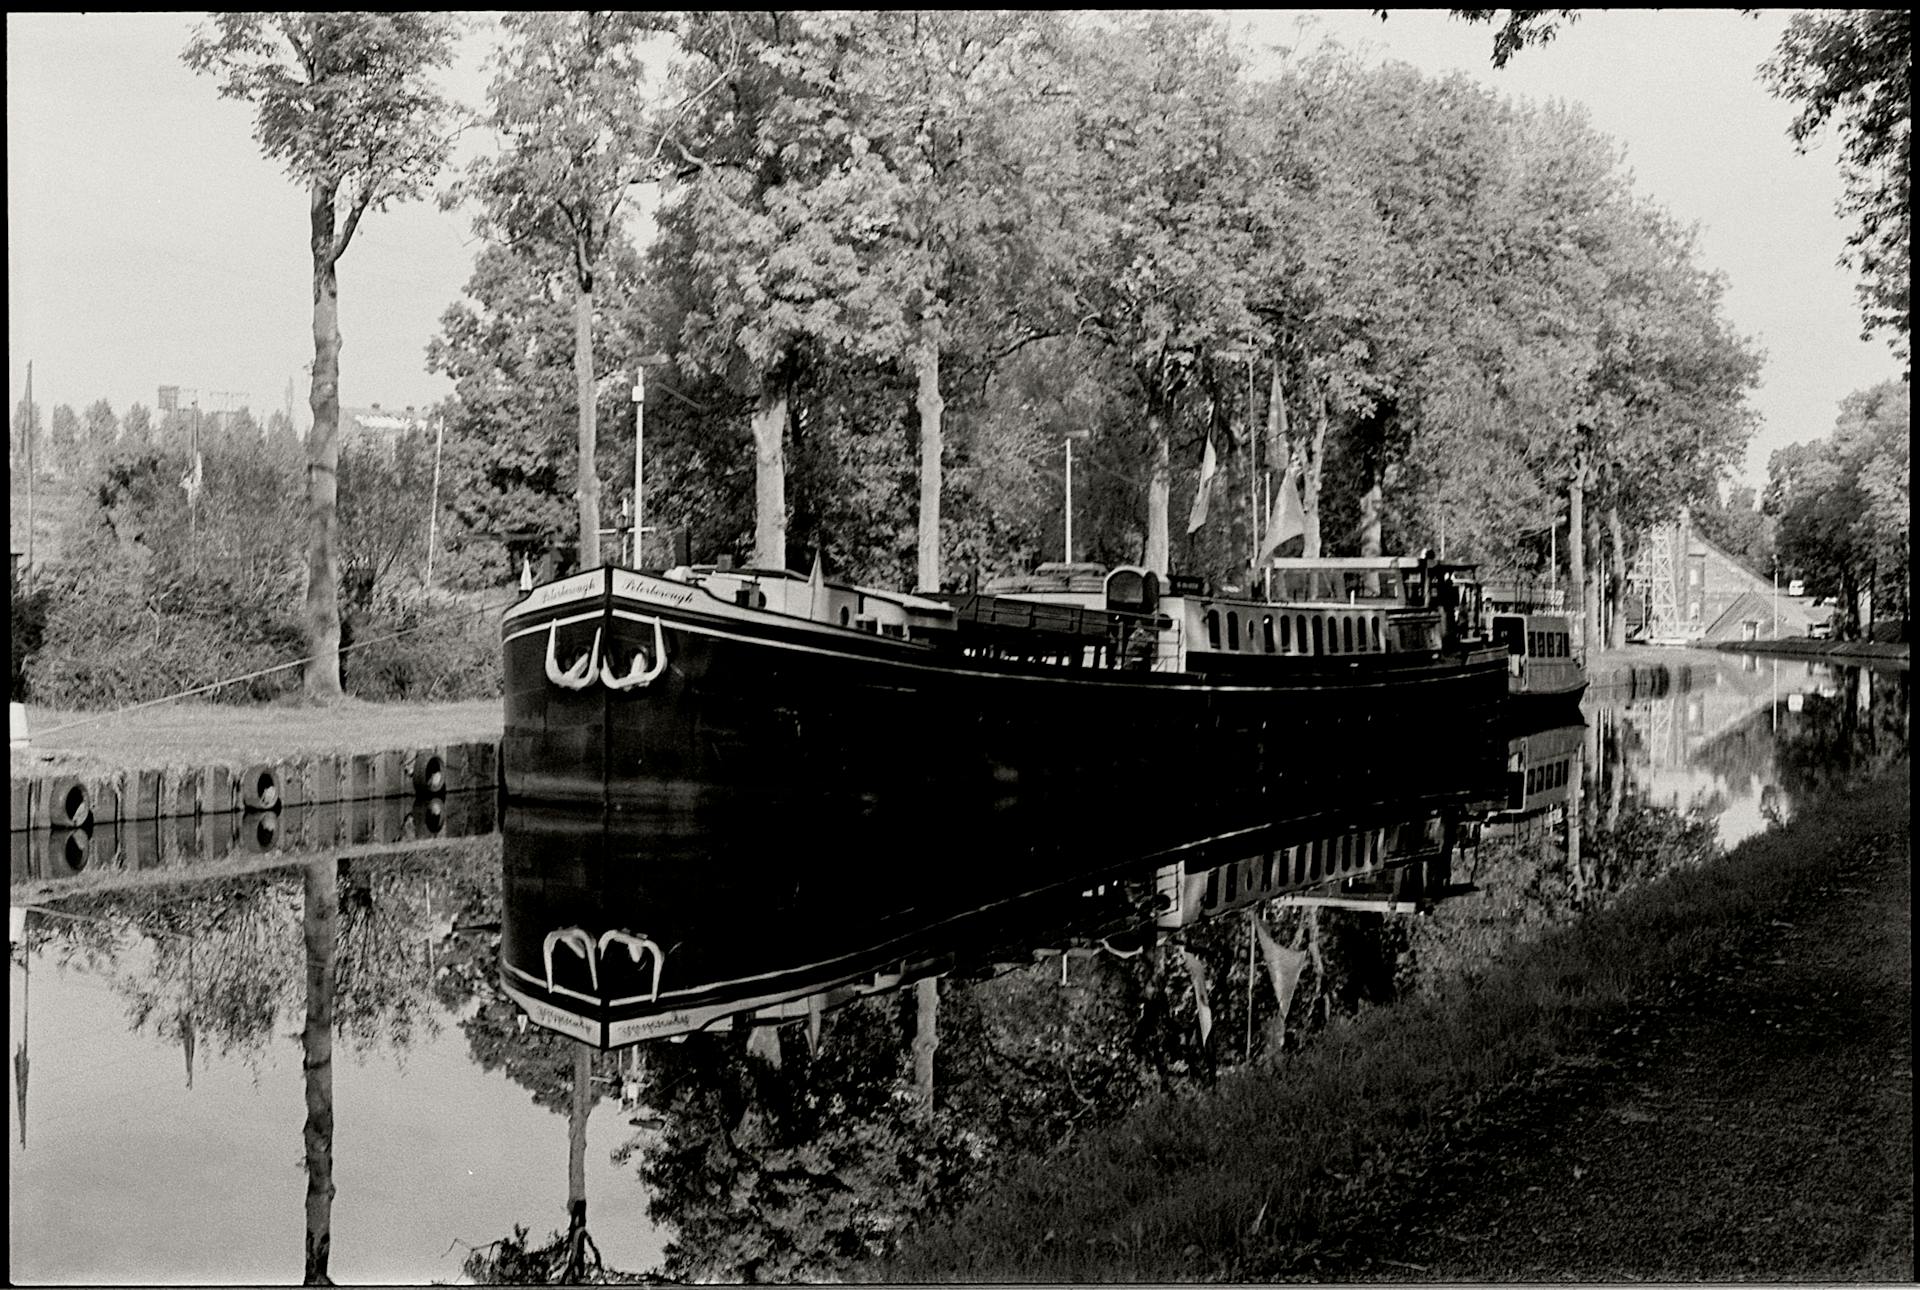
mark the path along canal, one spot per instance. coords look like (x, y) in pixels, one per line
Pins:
(181, 1115)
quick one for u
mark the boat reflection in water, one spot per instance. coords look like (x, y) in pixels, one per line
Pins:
(695, 913)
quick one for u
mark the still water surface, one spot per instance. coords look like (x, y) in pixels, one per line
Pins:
(170, 1095)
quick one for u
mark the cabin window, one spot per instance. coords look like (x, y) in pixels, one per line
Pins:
(1266, 631)
(1286, 634)
(1346, 631)
(1213, 629)
(1300, 633)
(1233, 631)
(1318, 633)
(845, 615)
(1377, 646)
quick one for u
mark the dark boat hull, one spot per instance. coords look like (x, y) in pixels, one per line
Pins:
(745, 697)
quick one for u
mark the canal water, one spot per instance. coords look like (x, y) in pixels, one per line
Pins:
(849, 1012)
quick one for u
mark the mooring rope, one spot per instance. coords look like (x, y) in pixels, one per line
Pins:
(450, 616)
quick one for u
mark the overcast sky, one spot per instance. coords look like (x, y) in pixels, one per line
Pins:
(150, 244)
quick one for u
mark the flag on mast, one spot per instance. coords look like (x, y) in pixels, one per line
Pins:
(1289, 517)
(1204, 494)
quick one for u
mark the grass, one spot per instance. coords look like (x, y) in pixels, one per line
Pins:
(189, 733)
(1199, 1187)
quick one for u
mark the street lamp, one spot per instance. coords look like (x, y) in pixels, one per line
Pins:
(639, 442)
(1070, 437)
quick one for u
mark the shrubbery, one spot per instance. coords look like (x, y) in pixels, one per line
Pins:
(450, 649)
(26, 628)
(157, 596)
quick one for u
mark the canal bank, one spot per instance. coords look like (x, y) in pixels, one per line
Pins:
(187, 760)
(1709, 1079)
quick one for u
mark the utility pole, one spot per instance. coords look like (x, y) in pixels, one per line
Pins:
(31, 418)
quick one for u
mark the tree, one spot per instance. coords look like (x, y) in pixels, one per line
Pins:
(1855, 67)
(575, 137)
(1843, 504)
(345, 102)
(781, 212)
(1522, 27)
(99, 428)
(137, 425)
(955, 102)
(63, 436)
(1161, 278)
(510, 451)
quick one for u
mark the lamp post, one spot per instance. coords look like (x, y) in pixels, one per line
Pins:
(1070, 437)
(639, 443)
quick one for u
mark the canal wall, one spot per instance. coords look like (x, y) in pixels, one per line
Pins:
(66, 799)
(1872, 653)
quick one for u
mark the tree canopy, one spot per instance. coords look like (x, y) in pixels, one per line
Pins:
(931, 246)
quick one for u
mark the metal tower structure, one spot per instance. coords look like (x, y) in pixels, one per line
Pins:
(1656, 572)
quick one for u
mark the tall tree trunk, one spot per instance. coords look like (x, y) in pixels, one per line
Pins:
(932, 409)
(770, 475)
(1616, 580)
(1372, 506)
(1577, 550)
(574, 1267)
(926, 1035)
(320, 928)
(1159, 483)
(586, 487)
(322, 676)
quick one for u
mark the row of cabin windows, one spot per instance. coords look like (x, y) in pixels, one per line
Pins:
(1549, 645)
(1300, 633)
(1311, 861)
(1542, 778)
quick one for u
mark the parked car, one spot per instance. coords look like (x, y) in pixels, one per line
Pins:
(1822, 630)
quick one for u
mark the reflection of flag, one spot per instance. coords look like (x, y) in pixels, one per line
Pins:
(1204, 493)
(1289, 519)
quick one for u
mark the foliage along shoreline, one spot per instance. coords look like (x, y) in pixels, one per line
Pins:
(1231, 1184)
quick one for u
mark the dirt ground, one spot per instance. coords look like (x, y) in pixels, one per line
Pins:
(1753, 1126)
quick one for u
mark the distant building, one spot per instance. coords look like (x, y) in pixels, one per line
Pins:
(381, 426)
(1685, 588)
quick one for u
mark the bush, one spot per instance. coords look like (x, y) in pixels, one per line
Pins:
(450, 650)
(105, 646)
(27, 629)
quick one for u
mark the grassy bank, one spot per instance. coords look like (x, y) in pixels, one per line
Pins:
(190, 733)
(1207, 1186)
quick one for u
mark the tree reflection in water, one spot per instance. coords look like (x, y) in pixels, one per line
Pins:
(320, 927)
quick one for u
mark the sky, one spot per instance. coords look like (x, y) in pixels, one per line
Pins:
(149, 243)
